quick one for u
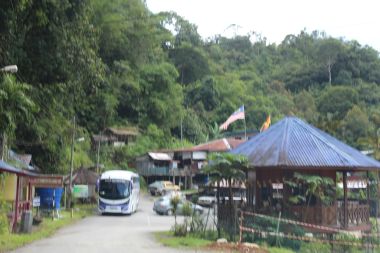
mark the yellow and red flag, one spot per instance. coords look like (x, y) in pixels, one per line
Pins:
(265, 125)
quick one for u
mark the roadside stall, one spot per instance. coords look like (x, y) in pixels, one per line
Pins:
(18, 188)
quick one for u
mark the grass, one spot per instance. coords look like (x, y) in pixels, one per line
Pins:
(169, 240)
(188, 242)
(45, 229)
(279, 250)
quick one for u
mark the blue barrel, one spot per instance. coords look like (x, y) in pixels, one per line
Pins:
(58, 196)
(50, 197)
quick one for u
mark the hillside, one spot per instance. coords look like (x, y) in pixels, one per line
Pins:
(114, 63)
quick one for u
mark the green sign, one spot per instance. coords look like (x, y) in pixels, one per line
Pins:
(80, 191)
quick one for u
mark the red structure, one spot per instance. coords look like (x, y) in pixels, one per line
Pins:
(30, 180)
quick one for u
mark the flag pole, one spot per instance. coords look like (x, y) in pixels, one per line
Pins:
(245, 127)
(245, 130)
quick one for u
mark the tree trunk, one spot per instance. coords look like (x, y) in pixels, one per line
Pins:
(329, 70)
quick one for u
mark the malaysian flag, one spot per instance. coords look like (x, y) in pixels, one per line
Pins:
(239, 114)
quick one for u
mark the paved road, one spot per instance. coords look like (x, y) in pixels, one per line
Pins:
(109, 234)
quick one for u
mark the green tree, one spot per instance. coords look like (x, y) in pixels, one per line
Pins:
(322, 188)
(190, 62)
(15, 106)
(185, 32)
(231, 168)
(174, 201)
(337, 100)
(328, 52)
(306, 107)
(161, 97)
(355, 126)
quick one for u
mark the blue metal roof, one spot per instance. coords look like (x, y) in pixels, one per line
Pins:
(292, 143)
(5, 167)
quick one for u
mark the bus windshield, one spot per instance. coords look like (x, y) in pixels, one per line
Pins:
(114, 188)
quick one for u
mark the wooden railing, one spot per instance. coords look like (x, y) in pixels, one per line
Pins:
(321, 215)
(357, 214)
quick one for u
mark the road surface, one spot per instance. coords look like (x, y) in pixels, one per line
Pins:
(109, 234)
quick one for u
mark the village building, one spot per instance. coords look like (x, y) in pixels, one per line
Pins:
(115, 137)
(84, 182)
(292, 146)
(183, 166)
(18, 189)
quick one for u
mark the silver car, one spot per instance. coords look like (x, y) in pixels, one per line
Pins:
(162, 187)
(163, 206)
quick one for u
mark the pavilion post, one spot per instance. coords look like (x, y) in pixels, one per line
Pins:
(345, 204)
(30, 197)
(368, 191)
(14, 225)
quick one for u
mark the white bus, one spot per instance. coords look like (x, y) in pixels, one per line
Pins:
(118, 192)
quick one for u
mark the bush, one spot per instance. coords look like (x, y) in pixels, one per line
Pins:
(346, 248)
(197, 225)
(143, 184)
(279, 250)
(186, 209)
(313, 247)
(194, 198)
(4, 209)
(180, 229)
(270, 225)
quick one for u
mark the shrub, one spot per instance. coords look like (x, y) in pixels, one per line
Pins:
(315, 248)
(180, 229)
(197, 225)
(270, 225)
(346, 248)
(194, 198)
(4, 209)
(186, 209)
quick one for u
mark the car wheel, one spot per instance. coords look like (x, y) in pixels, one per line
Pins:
(169, 212)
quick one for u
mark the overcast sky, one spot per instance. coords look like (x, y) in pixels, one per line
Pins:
(274, 19)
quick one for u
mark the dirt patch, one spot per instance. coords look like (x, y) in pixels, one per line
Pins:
(235, 247)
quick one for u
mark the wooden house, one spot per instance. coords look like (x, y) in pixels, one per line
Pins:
(116, 137)
(292, 146)
(156, 165)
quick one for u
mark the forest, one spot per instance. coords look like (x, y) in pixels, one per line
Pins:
(115, 63)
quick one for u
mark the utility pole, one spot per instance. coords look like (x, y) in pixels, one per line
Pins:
(71, 164)
(98, 153)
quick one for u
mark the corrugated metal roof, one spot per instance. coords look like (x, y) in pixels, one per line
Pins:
(295, 144)
(160, 156)
(83, 176)
(5, 167)
(219, 145)
(123, 131)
